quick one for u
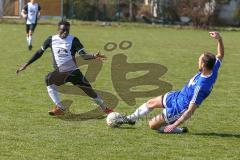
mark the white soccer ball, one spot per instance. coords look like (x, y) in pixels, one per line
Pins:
(111, 119)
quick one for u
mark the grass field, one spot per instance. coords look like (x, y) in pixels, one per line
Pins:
(28, 132)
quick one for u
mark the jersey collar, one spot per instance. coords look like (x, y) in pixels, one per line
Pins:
(206, 76)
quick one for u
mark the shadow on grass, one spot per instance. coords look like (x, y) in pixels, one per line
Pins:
(212, 134)
(123, 128)
(93, 114)
(110, 100)
(126, 127)
(69, 116)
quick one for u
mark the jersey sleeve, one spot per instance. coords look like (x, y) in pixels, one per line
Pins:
(39, 7)
(198, 96)
(217, 65)
(47, 43)
(77, 46)
(25, 8)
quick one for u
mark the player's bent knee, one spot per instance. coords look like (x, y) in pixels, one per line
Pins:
(151, 103)
(47, 79)
(152, 125)
(156, 122)
(155, 102)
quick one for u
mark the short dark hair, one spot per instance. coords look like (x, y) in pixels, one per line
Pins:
(209, 60)
(63, 22)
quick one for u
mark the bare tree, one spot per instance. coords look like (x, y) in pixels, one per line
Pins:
(130, 10)
(200, 11)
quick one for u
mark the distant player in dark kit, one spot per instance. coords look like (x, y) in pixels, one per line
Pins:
(64, 47)
(31, 12)
(178, 106)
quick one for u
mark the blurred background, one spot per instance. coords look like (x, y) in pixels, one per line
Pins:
(198, 13)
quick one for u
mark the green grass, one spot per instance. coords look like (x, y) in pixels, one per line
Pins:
(27, 132)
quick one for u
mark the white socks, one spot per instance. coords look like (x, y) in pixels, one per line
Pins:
(141, 111)
(29, 40)
(99, 101)
(52, 92)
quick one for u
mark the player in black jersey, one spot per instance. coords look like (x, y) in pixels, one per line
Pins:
(64, 47)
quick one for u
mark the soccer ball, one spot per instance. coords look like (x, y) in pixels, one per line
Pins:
(111, 119)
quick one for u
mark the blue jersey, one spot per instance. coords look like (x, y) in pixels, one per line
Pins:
(195, 91)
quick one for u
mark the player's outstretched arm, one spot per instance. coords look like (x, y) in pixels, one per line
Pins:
(98, 56)
(77, 45)
(220, 47)
(185, 116)
(36, 56)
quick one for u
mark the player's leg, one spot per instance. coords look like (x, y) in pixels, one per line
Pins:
(53, 80)
(30, 33)
(27, 32)
(79, 80)
(30, 40)
(167, 117)
(159, 122)
(146, 108)
(143, 110)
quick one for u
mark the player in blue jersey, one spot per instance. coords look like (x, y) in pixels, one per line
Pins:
(178, 106)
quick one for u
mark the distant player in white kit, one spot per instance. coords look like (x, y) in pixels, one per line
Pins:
(64, 48)
(31, 12)
(178, 106)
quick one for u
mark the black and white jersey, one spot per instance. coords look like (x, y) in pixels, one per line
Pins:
(32, 12)
(63, 51)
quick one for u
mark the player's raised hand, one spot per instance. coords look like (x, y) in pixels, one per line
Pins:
(215, 35)
(100, 56)
(23, 67)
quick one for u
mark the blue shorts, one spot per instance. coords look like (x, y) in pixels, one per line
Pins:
(171, 112)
